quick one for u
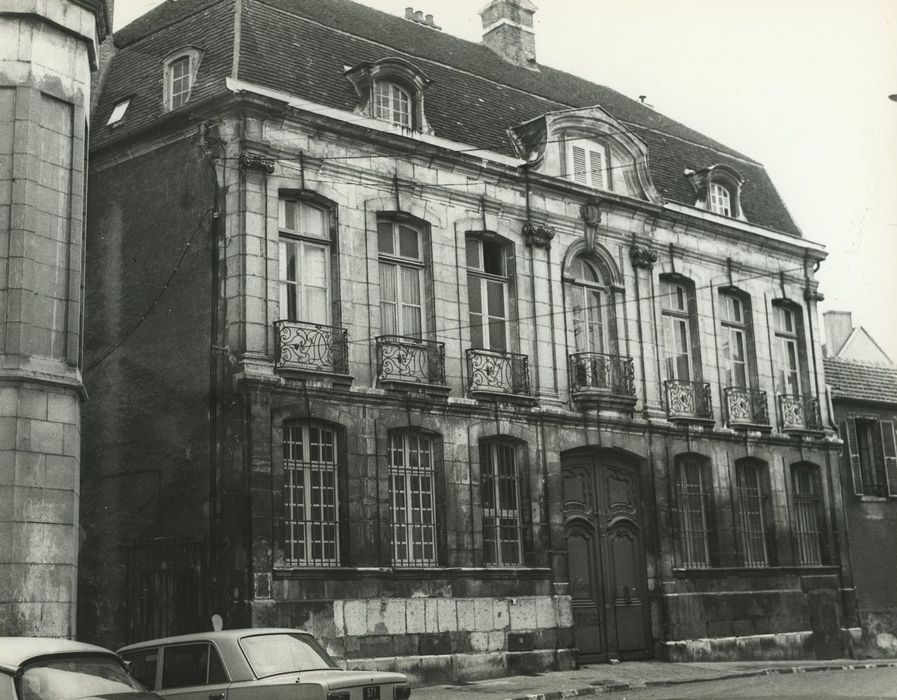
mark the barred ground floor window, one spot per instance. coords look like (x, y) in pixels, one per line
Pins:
(750, 477)
(694, 497)
(311, 495)
(500, 489)
(807, 519)
(412, 498)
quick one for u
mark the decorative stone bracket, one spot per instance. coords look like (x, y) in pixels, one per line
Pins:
(538, 235)
(253, 161)
(591, 217)
(642, 256)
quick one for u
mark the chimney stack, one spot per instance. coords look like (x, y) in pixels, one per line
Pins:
(838, 327)
(508, 31)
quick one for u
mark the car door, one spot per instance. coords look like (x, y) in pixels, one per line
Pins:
(193, 671)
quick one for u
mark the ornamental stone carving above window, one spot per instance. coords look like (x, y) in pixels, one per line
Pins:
(391, 90)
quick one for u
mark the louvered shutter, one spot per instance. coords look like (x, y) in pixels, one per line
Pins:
(855, 467)
(596, 165)
(579, 164)
(890, 450)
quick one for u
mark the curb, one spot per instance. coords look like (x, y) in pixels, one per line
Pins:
(601, 687)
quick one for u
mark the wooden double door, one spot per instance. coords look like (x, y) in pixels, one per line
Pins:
(603, 522)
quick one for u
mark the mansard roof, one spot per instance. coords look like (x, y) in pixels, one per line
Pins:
(302, 47)
(861, 381)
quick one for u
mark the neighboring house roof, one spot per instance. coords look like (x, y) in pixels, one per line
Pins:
(861, 346)
(860, 381)
(303, 47)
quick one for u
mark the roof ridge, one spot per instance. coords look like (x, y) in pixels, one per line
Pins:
(164, 7)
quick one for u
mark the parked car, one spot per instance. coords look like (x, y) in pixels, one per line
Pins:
(37, 668)
(245, 664)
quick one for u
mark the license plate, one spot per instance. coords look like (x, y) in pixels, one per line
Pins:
(371, 692)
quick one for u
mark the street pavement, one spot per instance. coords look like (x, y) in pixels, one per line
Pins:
(658, 676)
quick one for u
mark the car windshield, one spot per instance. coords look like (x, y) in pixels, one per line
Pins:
(271, 654)
(75, 677)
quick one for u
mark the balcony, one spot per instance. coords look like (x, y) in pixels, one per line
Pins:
(493, 373)
(688, 402)
(746, 408)
(605, 380)
(799, 414)
(404, 362)
(311, 348)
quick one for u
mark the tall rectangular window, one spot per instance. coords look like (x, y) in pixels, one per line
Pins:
(676, 331)
(401, 279)
(788, 350)
(750, 523)
(412, 499)
(500, 488)
(487, 291)
(873, 455)
(693, 493)
(807, 506)
(304, 259)
(311, 495)
(734, 341)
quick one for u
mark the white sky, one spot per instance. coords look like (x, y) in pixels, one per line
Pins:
(800, 85)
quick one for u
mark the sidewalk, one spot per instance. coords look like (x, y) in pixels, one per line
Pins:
(595, 679)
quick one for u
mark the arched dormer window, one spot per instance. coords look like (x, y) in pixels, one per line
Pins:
(179, 75)
(718, 190)
(391, 90)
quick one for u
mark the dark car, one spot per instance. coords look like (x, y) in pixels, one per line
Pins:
(38, 668)
(245, 664)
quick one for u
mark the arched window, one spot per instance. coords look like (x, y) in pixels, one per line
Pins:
(393, 104)
(311, 495)
(720, 199)
(179, 75)
(589, 308)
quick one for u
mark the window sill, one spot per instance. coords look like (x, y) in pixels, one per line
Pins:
(722, 571)
(872, 499)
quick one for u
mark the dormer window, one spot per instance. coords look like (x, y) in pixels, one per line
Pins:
(180, 73)
(720, 200)
(587, 163)
(718, 190)
(393, 104)
(391, 90)
(118, 112)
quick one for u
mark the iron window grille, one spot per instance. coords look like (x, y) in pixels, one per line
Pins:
(500, 486)
(311, 495)
(751, 521)
(806, 509)
(412, 493)
(694, 494)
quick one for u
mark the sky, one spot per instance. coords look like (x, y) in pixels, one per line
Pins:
(801, 86)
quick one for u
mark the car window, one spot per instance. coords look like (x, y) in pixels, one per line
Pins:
(69, 678)
(143, 665)
(217, 674)
(185, 665)
(271, 654)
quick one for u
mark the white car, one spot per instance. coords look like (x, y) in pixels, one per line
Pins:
(38, 668)
(247, 664)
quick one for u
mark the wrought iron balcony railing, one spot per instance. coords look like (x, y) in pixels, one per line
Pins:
(595, 372)
(746, 407)
(799, 412)
(410, 360)
(491, 371)
(688, 400)
(311, 347)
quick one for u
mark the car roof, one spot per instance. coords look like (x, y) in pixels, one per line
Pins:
(16, 651)
(213, 636)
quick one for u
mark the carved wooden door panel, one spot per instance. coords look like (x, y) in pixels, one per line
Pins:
(603, 514)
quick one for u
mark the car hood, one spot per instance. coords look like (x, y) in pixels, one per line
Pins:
(334, 679)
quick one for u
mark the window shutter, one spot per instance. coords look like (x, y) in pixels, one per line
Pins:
(579, 164)
(890, 450)
(855, 467)
(596, 163)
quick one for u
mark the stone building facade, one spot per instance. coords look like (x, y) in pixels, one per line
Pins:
(404, 342)
(48, 52)
(863, 384)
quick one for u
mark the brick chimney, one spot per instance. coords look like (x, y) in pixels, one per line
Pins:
(838, 327)
(508, 31)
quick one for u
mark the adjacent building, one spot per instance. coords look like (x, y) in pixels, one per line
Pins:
(48, 53)
(863, 384)
(463, 363)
